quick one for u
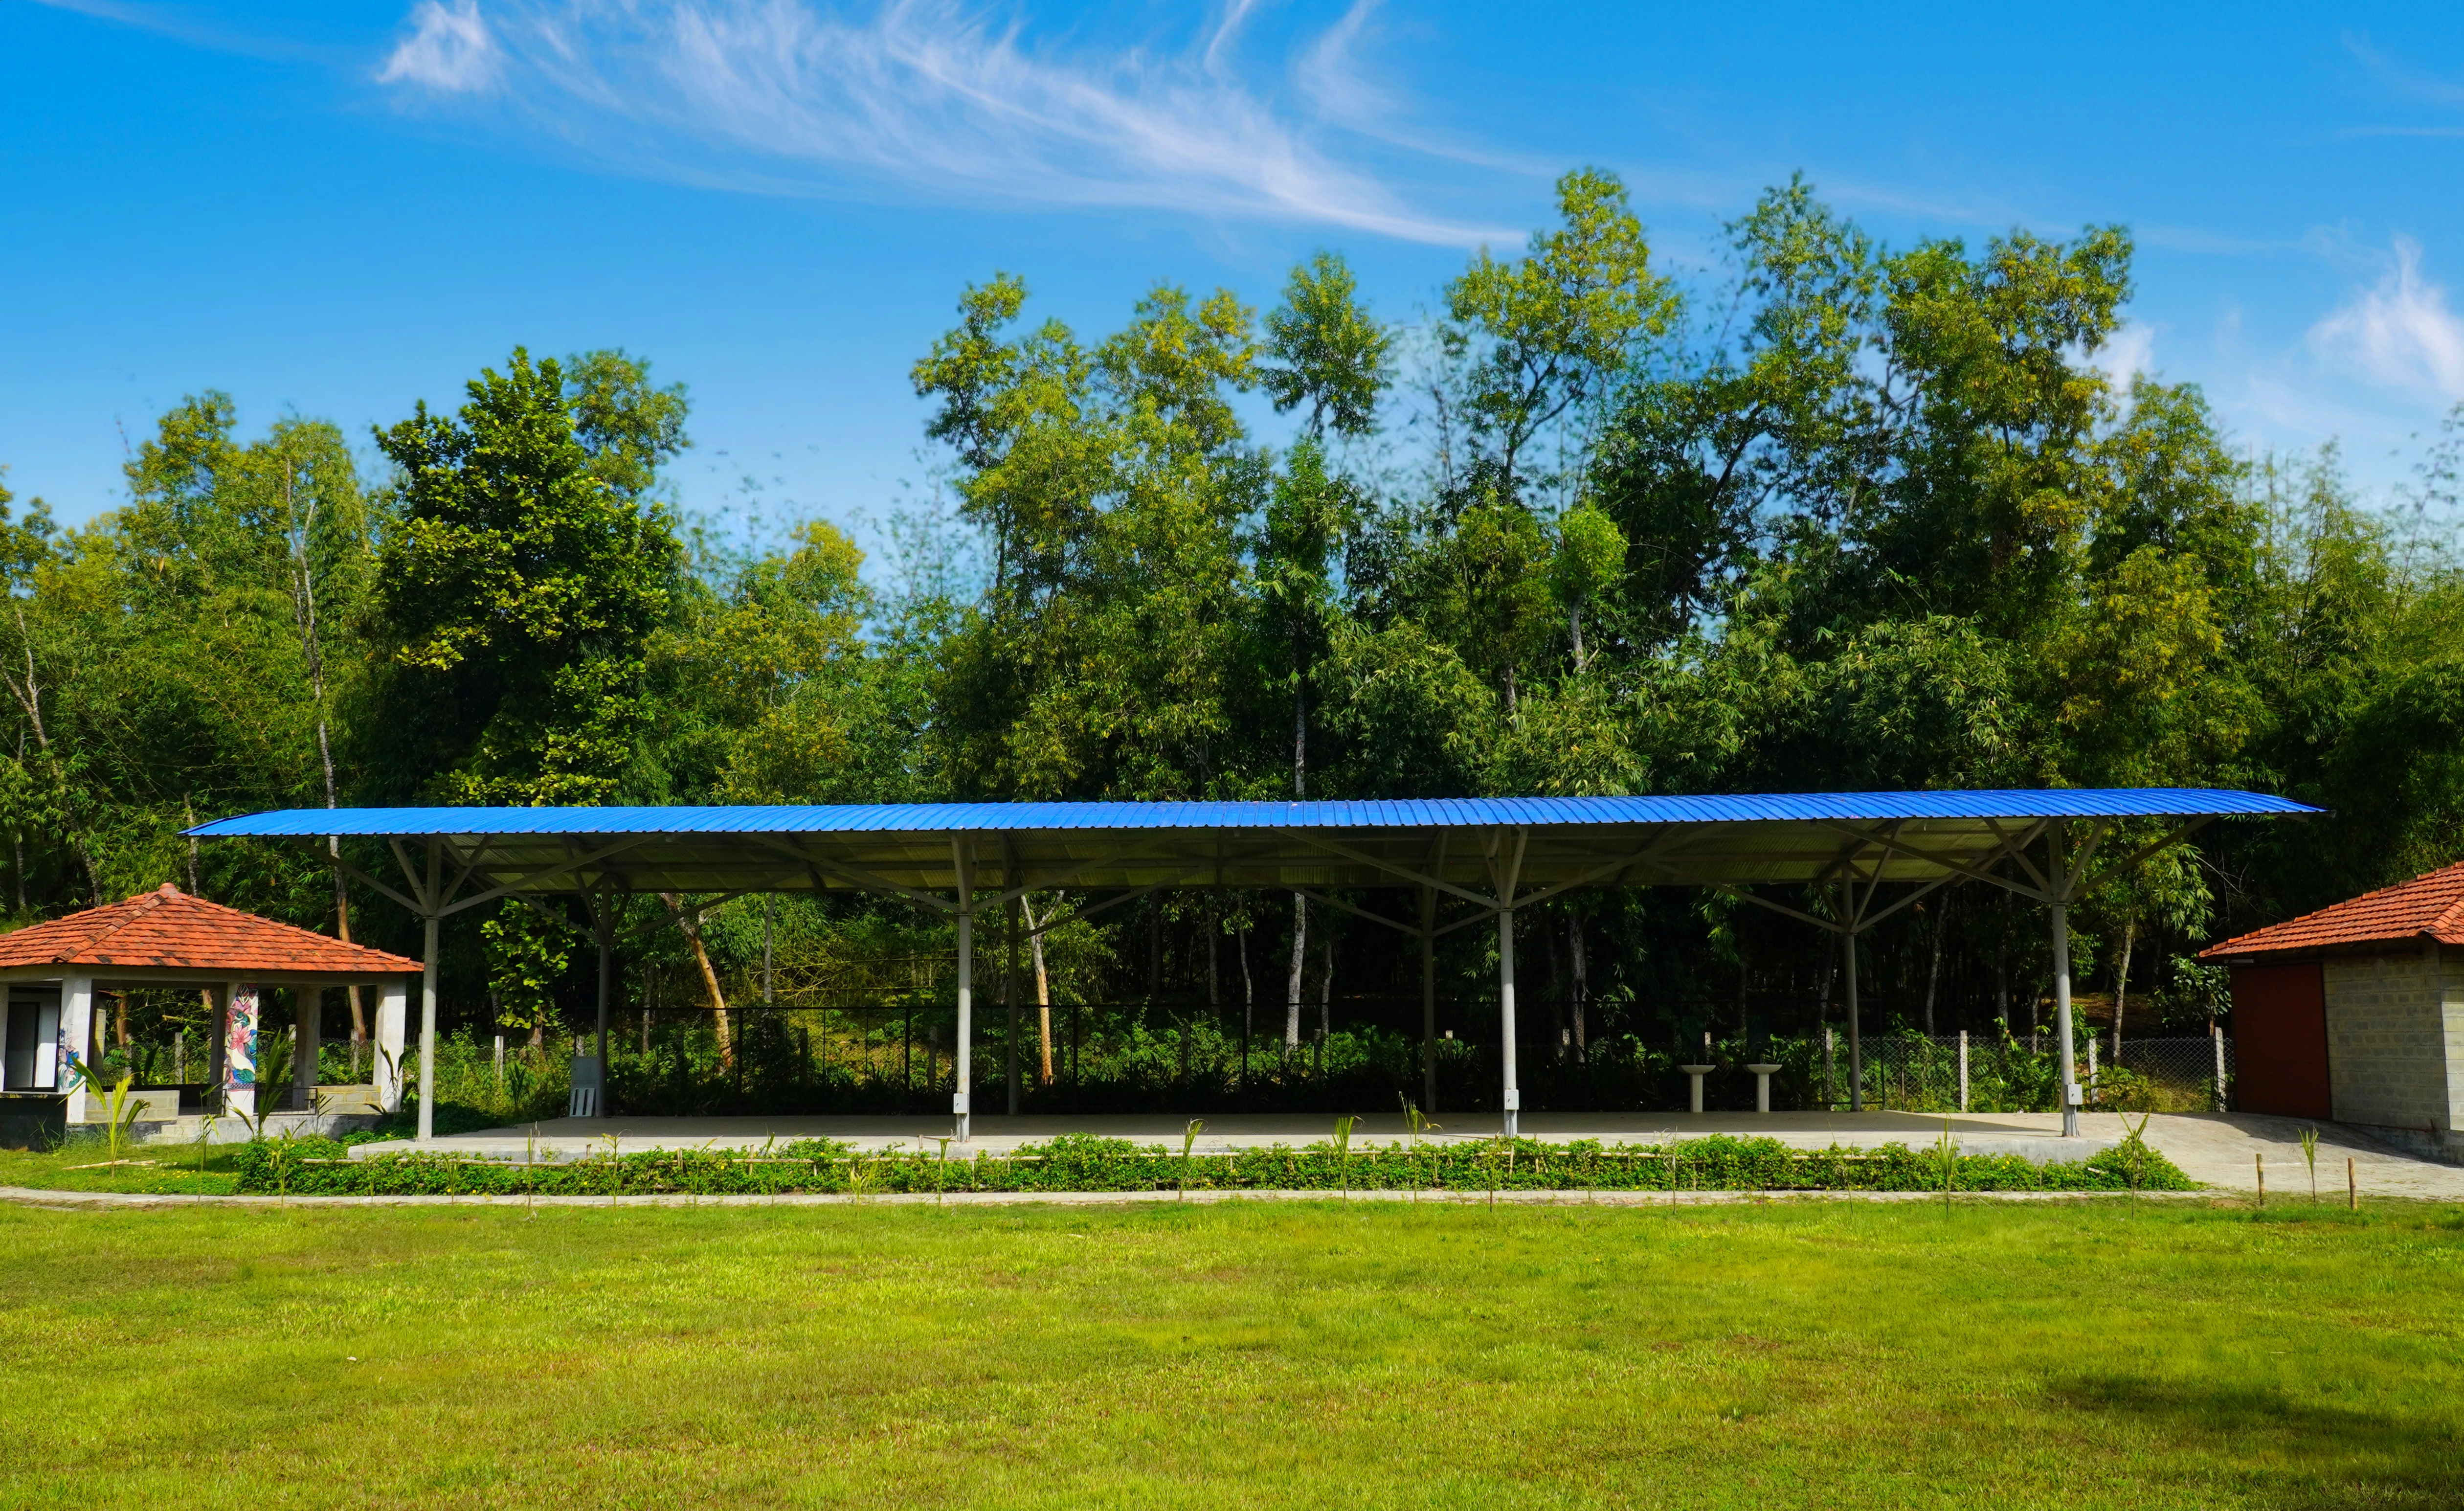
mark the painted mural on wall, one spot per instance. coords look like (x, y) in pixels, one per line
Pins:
(239, 1041)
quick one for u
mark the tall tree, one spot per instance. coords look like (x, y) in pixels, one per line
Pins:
(1549, 332)
(529, 565)
(1326, 352)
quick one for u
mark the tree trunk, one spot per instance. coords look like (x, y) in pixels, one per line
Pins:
(1933, 960)
(29, 698)
(1248, 988)
(312, 648)
(1574, 621)
(1043, 982)
(2121, 981)
(1300, 903)
(1582, 986)
(342, 926)
(1326, 989)
(692, 927)
(1559, 995)
(1299, 959)
(2002, 984)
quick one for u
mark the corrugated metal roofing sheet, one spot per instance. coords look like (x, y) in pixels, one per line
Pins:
(919, 818)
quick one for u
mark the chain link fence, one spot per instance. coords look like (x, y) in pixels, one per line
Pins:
(1142, 1057)
(1996, 1073)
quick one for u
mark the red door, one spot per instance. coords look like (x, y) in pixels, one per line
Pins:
(2281, 1040)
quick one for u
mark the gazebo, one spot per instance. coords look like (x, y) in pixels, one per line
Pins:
(166, 939)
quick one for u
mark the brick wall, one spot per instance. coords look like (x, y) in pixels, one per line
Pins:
(2451, 1011)
(2389, 1031)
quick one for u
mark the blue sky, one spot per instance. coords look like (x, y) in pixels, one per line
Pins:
(338, 209)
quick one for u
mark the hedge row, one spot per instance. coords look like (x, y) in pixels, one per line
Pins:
(1082, 1163)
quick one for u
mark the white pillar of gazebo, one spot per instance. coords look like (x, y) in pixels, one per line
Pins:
(74, 1044)
(307, 1040)
(393, 1010)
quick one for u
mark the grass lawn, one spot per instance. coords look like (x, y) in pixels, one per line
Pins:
(1247, 1355)
(85, 1164)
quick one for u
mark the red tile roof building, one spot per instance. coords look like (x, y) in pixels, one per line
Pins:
(166, 929)
(2430, 906)
(2356, 1012)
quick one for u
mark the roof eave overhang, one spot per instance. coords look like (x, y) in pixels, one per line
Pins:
(145, 977)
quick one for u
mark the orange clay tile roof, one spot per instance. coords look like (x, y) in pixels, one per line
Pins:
(166, 929)
(2431, 905)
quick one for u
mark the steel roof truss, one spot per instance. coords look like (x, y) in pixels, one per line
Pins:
(1360, 912)
(2016, 849)
(368, 881)
(2010, 847)
(527, 883)
(861, 879)
(1418, 877)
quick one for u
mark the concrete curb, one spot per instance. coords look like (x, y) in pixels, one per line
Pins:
(107, 1201)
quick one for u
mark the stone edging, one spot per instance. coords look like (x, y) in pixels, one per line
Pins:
(105, 1201)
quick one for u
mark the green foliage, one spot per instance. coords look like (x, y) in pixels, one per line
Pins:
(1554, 328)
(1858, 516)
(527, 954)
(1327, 352)
(1085, 1163)
(522, 581)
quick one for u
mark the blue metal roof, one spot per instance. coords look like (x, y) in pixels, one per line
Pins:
(2021, 804)
(1459, 845)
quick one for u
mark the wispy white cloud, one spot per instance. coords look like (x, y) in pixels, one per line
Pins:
(2400, 78)
(2127, 353)
(784, 96)
(449, 50)
(182, 24)
(2400, 332)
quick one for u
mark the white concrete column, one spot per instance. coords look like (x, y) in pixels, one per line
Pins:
(1429, 1000)
(1856, 1040)
(605, 919)
(393, 1004)
(1009, 994)
(307, 1038)
(964, 854)
(2070, 1092)
(73, 1042)
(239, 1050)
(1511, 1098)
(427, 1032)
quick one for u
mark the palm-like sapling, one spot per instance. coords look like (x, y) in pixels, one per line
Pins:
(1188, 1140)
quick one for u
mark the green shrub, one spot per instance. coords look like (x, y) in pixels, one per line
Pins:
(1086, 1163)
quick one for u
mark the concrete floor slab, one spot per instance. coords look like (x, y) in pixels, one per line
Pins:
(2223, 1150)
